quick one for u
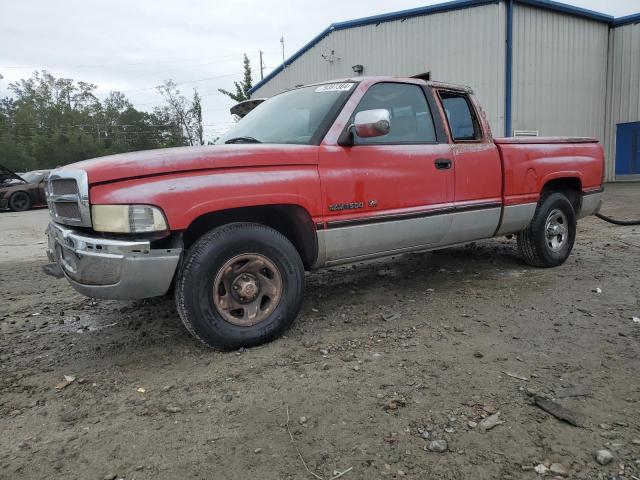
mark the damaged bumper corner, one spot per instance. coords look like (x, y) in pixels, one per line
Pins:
(111, 269)
(591, 204)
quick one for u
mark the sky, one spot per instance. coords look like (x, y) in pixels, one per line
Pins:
(134, 45)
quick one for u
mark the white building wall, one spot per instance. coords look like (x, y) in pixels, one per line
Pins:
(461, 46)
(623, 92)
(559, 73)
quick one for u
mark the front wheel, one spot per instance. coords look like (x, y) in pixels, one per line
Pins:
(19, 202)
(240, 285)
(549, 238)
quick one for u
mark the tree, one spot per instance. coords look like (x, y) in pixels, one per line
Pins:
(49, 121)
(243, 87)
(179, 111)
(196, 108)
(185, 115)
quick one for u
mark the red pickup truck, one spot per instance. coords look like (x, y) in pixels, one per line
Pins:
(320, 175)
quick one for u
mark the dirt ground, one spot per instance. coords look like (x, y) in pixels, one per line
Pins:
(383, 355)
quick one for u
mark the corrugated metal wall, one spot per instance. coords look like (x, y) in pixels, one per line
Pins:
(461, 46)
(559, 73)
(623, 89)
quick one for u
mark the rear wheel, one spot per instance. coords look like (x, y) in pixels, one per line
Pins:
(241, 284)
(19, 202)
(549, 238)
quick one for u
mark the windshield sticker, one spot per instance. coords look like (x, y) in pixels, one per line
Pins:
(334, 87)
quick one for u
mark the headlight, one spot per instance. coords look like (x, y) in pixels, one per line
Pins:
(127, 218)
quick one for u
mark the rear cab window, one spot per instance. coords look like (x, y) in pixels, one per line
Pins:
(461, 117)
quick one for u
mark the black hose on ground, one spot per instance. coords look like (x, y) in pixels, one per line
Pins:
(617, 222)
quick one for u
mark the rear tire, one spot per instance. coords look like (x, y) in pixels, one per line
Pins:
(240, 285)
(549, 238)
(19, 202)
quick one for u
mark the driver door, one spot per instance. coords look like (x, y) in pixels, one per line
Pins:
(390, 193)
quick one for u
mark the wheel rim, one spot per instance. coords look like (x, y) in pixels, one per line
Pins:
(247, 289)
(556, 230)
(19, 201)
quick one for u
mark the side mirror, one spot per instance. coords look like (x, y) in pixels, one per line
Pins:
(372, 123)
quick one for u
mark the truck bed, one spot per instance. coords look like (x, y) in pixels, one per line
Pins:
(529, 163)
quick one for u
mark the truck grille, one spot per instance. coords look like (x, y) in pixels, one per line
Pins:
(67, 193)
(64, 186)
(67, 210)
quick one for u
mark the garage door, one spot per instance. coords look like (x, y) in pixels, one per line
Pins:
(628, 149)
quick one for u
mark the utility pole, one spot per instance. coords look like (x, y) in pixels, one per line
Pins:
(282, 42)
(261, 67)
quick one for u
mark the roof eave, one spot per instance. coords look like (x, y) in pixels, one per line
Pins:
(626, 20)
(569, 9)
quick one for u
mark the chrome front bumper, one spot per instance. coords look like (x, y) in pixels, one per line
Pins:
(112, 269)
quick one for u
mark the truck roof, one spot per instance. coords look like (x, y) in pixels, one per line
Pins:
(372, 78)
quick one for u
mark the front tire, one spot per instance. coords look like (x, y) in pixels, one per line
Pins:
(549, 238)
(19, 202)
(240, 285)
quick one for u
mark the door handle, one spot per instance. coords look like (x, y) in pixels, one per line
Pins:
(443, 163)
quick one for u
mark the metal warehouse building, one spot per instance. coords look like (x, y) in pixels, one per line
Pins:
(538, 67)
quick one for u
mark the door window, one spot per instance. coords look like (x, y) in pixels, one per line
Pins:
(462, 122)
(411, 120)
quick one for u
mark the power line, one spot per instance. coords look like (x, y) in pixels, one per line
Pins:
(107, 126)
(182, 83)
(160, 102)
(177, 69)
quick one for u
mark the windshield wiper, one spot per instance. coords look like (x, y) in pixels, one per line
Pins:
(242, 140)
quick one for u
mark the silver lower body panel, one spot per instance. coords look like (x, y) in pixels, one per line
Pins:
(515, 218)
(590, 205)
(363, 242)
(111, 269)
(367, 241)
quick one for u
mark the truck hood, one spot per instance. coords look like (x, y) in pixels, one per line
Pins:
(185, 159)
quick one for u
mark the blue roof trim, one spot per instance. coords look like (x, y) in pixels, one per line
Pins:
(445, 7)
(626, 20)
(570, 9)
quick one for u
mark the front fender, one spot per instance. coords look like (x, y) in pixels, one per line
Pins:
(186, 196)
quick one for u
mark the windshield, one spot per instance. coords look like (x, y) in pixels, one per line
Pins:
(297, 116)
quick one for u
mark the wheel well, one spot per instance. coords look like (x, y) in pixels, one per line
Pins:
(292, 221)
(570, 187)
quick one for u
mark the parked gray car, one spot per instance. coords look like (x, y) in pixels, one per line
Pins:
(22, 192)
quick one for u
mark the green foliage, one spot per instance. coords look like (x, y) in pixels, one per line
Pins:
(51, 121)
(243, 87)
(196, 109)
